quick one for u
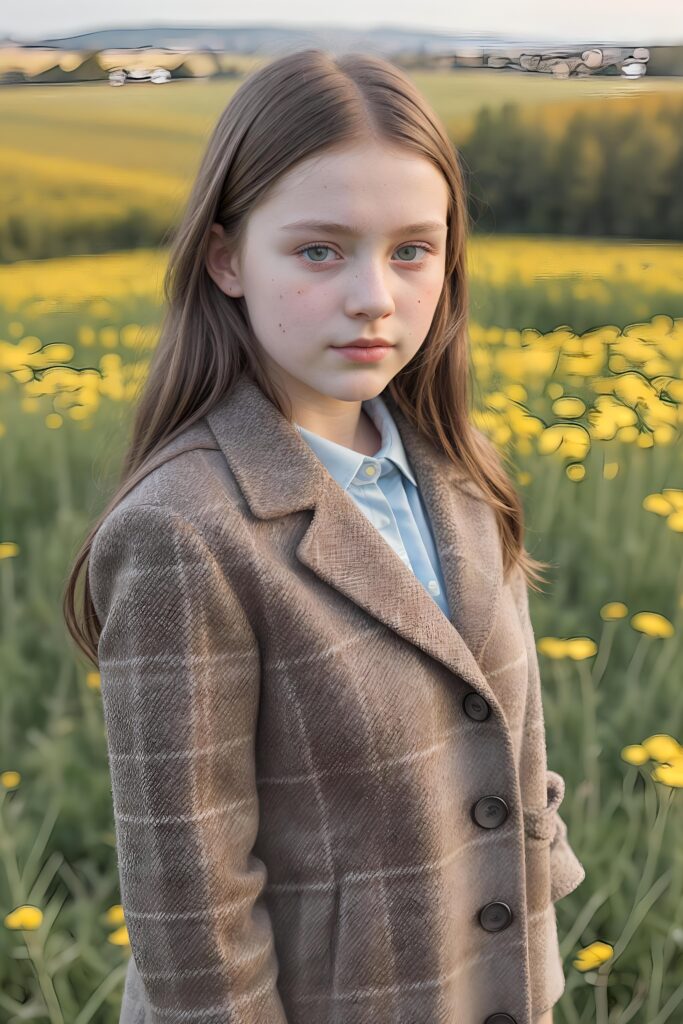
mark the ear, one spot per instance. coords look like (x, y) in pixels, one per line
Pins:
(222, 264)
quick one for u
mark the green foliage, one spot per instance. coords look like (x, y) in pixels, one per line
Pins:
(611, 173)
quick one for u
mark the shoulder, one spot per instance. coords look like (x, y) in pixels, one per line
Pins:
(184, 487)
(179, 522)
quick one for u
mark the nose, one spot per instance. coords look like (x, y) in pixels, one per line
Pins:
(369, 292)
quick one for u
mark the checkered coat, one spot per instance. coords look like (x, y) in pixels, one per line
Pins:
(331, 802)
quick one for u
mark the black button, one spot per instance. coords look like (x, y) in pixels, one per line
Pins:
(490, 811)
(500, 1018)
(495, 916)
(475, 706)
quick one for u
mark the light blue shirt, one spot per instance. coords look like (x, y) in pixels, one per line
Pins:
(385, 489)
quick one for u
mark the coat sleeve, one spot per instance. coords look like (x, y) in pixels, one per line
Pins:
(180, 675)
(543, 820)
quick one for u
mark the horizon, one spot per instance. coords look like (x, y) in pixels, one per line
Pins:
(612, 22)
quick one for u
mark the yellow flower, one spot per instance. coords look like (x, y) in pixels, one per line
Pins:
(613, 610)
(516, 392)
(576, 471)
(92, 680)
(24, 918)
(114, 914)
(675, 522)
(669, 774)
(662, 747)
(591, 957)
(635, 753)
(576, 647)
(8, 549)
(568, 407)
(657, 503)
(674, 495)
(10, 780)
(569, 440)
(652, 624)
(580, 647)
(552, 647)
(119, 937)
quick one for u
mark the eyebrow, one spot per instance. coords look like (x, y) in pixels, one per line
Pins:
(349, 229)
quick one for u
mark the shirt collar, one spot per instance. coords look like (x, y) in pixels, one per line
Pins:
(343, 463)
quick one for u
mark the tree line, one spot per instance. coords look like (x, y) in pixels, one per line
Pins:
(611, 169)
(608, 173)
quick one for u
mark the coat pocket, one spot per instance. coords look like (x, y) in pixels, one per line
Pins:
(361, 941)
(541, 822)
(544, 828)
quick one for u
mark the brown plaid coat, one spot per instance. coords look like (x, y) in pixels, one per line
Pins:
(332, 804)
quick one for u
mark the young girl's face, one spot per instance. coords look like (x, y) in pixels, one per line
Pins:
(311, 288)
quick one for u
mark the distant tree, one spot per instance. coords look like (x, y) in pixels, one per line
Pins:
(14, 77)
(89, 70)
(55, 73)
(182, 70)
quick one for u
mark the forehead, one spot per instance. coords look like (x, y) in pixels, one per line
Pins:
(355, 185)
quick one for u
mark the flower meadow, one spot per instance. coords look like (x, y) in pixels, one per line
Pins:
(577, 354)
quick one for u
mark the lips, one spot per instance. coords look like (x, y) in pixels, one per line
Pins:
(366, 343)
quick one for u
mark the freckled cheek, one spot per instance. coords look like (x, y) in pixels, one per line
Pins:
(423, 301)
(302, 305)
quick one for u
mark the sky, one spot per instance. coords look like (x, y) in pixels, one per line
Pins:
(631, 22)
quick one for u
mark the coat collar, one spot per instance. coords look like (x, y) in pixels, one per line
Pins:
(278, 474)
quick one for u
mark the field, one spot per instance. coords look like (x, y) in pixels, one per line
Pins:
(91, 168)
(578, 352)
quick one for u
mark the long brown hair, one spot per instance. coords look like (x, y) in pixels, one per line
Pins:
(291, 108)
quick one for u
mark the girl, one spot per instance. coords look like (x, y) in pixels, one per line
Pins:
(308, 599)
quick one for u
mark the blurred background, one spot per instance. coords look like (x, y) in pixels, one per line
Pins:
(570, 128)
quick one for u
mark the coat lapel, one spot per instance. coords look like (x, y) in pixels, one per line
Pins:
(279, 474)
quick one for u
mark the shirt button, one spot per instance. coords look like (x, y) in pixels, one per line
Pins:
(434, 587)
(370, 470)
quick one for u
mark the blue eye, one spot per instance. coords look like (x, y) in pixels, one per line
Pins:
(320, 247)
(312, 248)
(423, 247)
